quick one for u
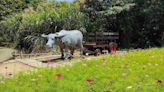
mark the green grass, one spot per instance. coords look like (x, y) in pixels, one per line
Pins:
(135, 71)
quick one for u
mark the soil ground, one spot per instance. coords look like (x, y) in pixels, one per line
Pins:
(14, 66)
(5, 54)
(10, 66)
(9, 69)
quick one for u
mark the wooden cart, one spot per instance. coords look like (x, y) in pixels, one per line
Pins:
(96, 43)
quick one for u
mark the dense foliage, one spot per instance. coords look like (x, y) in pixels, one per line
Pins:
(8, 7)
(139, 22)
(135, 71)
(24, 29)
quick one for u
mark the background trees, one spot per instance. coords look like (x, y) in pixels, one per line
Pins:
(139, 22)
(23, 30)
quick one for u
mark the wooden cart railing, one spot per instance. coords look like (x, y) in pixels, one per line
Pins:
(100, 40)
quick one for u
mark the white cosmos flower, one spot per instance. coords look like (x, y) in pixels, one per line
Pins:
(124, 74)
(2, 82)
(129, 87)
(40, 75)
(84, 64)
(156, 64)
(67, 69)
(149, 64)
(33, 79)
(147, 75)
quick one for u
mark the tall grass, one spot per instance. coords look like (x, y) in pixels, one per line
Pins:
(46, 18)
(135, 71)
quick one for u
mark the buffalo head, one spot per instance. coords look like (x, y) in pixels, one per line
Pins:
(52, 38)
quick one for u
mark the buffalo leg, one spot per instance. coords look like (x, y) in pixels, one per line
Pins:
(81, 50)
(68, 53)
(62, 53)
(72, 51)
(71, 54)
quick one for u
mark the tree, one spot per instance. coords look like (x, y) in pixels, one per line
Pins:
(24, 29)
(137, 21)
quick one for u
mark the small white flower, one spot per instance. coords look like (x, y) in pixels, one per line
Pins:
(1, 77)
(40, 75)
(67, 69)
(129, 87)
(124, 74)
(27, 72)
(144, 66)
(130, 69)
(148, 84)
(156, 64)
(32, 70)
(147, 75)
(33, 79)
(84, 64)
(149, 64)
(2, 82)
(136, 63)
(138, 85)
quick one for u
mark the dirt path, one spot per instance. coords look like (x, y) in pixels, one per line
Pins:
(9, 69)
(5, 54)
(15, 66)
(12, 67)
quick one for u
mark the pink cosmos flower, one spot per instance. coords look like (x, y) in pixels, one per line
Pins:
(89, 80)
(59, 75)
(51, 65)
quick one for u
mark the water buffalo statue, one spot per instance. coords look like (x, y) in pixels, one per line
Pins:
(68, 40)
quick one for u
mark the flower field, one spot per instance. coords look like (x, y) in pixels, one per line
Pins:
(134, 71)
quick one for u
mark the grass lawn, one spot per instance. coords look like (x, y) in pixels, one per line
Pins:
(135, 71)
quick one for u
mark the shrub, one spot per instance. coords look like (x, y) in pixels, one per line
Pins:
(26, 27)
